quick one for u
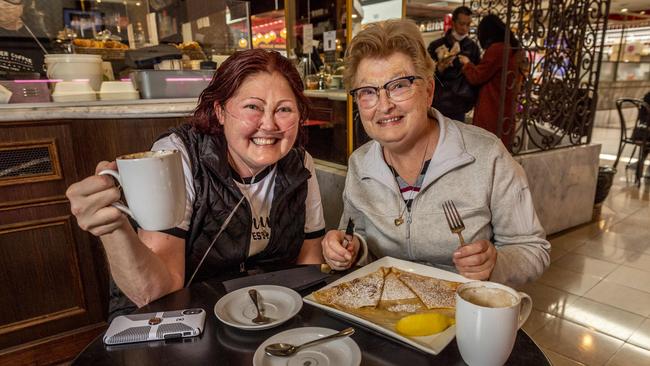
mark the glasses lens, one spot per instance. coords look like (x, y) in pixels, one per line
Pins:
(400, 89)
(366, 97)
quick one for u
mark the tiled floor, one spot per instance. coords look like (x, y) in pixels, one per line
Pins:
(592, 307)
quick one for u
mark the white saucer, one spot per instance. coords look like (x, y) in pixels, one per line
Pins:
(237, 309)
(340, 352)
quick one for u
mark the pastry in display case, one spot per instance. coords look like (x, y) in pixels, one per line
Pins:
(92, 43)
(105, 44)
(192, 50)
(269, 30)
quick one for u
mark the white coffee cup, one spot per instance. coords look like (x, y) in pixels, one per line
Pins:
(488, 316)
(154, 188)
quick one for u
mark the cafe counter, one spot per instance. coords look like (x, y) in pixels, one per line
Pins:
(331, 94)
(56, 277)
(141, 108)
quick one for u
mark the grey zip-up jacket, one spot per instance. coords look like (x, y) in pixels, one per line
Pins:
(471, 167)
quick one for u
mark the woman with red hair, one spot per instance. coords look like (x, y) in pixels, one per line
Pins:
(242, 146)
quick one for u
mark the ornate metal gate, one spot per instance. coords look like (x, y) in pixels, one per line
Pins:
(563, 42)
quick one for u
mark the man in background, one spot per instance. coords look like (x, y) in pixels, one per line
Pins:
(19, 52)
(454, 96)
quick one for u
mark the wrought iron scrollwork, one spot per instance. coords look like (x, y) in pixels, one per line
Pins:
(563, 42)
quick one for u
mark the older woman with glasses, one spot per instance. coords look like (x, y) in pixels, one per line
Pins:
(239, 155)
(418, 159)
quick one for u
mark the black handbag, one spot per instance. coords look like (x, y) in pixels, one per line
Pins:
(641, 133)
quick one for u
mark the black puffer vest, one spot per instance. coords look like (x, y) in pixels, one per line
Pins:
(216, 196)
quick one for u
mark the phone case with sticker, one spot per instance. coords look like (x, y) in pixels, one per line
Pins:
(155, 326)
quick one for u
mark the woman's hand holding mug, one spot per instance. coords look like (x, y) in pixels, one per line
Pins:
(91, 199)
(153, 185)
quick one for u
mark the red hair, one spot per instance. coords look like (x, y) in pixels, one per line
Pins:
(230, 76)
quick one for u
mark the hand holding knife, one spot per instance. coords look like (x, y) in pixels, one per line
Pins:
(349, 234)
(332, 246)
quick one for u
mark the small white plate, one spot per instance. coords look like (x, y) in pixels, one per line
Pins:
(340, 352)
(237, 309)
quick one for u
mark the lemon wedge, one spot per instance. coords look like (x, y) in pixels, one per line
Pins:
(418, 325)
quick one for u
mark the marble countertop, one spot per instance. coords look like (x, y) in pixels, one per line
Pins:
(332, 94)
(141, 108)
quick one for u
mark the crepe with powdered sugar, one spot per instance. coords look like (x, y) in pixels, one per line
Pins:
(433, 292)
(391, 289)
(361, 292)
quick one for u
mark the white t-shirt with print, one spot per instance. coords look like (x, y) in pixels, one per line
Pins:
(260, 195)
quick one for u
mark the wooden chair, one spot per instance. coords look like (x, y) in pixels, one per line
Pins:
(639, 137)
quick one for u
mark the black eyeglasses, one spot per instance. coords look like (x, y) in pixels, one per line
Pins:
(397, 90)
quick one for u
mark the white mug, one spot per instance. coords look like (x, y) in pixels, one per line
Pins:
(154, 188)
(488, 316)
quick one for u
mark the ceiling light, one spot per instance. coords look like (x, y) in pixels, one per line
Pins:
(624, 10)
(642, 12)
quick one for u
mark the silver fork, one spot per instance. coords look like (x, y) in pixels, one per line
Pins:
(454, 220)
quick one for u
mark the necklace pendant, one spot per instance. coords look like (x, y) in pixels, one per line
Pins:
(399, 221)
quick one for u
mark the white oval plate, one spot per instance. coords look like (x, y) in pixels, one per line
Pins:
(340, 352)
(237, 309)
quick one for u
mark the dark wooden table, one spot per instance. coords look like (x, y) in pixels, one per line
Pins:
(224, 345)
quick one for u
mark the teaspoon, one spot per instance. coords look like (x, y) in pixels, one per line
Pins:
(259, 319)
(286, 349)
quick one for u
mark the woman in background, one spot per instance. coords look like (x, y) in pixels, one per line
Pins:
(487, 75)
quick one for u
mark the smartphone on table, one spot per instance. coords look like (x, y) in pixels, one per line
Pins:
(155, 326)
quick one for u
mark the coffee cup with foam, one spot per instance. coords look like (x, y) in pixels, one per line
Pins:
(488, 316)
(154, 188)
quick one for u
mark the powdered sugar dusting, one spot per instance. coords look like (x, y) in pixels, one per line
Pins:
(433, 292)
(404, 308)
(394, 289)
(360, 292)
(398, 291)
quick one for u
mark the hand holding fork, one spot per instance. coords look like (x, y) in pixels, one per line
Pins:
(474, 260)
(454, 220)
